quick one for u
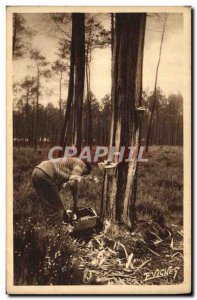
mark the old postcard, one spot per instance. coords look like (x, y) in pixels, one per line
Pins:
(98, 150)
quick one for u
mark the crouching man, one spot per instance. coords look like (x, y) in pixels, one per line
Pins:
(50, 176)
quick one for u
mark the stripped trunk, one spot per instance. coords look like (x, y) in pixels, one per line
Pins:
(120, 183)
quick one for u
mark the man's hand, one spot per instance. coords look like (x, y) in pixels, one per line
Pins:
(65, 184)
(74, 217)
(73, 188)
(68, 183)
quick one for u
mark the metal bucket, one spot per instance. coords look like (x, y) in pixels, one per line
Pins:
(87, 218)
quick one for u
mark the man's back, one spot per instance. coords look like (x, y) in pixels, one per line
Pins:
(63, 169)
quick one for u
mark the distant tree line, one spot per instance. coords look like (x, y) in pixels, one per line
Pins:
(50, 120)
(167, 126)
(167, 123)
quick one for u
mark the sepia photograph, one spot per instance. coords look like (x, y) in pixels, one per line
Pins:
(98, 150)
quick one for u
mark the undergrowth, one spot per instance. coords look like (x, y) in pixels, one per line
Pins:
(52, 257)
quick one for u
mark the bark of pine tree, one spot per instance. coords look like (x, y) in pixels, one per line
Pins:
(37, 109)
(119, 187)
(129, 213)
(64, 131)
(89, 107)
(60, 104)
(79, 40)
(14, 36)
(28, 116)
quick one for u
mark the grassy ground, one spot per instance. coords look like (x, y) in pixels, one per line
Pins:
(160, 182)
(55, 257)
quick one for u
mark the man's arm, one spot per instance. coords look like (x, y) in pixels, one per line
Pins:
(76, 176)
(73, 188)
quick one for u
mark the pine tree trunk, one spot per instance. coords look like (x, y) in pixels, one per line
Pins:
(112, 32)
(114, 74)
(27, 116)
(64, 132)
(128, 215)
(33, 123)
(89, 108)
(79, 40)
(37, 109)
(14, 37)
(60, 105)
(120, 183)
